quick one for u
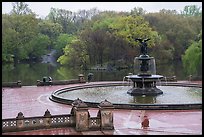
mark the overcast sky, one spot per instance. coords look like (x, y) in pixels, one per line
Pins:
(43, 8)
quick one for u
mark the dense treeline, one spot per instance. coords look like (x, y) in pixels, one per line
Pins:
(91, 37)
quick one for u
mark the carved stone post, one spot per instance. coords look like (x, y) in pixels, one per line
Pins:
(20, 122)
(80, 110)
(19, 83)
(106, 115)
(81, 78)
(47, 118)
(38, 82)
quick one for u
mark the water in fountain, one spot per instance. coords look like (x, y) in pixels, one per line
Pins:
(159, 81)
(127, 79)
(124, 80)
(118, 95)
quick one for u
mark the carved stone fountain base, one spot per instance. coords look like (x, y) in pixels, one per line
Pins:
(144, 91)
(144, 85)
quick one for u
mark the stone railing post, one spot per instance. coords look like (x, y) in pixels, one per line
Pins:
(81, 113)
(81, 78)
(19, 120)
(38, 82)
(190, 78)
(19, 83)
(106, 115)
(47, 118)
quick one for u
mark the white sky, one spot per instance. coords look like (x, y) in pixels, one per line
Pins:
(43, 8)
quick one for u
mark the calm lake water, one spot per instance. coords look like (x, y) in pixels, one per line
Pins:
(30, 73)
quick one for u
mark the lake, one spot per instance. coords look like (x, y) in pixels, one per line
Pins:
(30, 73)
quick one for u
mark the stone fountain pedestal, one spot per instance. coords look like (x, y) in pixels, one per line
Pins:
(144, 83)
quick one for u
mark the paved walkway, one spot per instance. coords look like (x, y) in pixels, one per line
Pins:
(34, 101)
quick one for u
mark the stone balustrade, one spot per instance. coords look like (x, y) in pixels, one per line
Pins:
(79, 118)
(12, 84)
(80, 79)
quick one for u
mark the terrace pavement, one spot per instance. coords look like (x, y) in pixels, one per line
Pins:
(34, 101)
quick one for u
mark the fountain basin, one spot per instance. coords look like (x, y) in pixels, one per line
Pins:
(92, 94)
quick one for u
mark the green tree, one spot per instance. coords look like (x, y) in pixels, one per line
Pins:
(75, 55)
(21, 8)
(71, 22)
(192, 59)
(98, 39)
(52, 30)
(64, 18)
(8, 37)
(192, 10)
(138, 11)
(176, 30)
(130, 27)
(19, 29)
(18, 32)
(62, 41)
(38, 46)
(171, 12)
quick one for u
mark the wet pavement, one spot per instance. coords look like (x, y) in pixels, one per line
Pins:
(34, 101)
